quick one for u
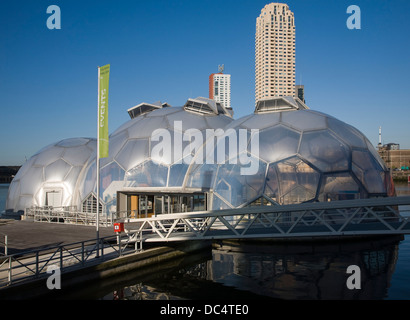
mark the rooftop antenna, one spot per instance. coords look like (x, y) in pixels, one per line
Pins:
(380, 135)
(221, 68)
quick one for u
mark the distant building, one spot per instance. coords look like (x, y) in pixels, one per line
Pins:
(394, 157)
(390, 146)
(220, 88)
(300, 92)
(275, 52)
(394, 146)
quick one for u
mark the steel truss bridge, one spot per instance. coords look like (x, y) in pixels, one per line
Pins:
(379, 216)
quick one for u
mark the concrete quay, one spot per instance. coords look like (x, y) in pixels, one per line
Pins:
(25, 235)
(28, 235)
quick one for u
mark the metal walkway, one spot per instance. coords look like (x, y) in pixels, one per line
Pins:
(380, 216)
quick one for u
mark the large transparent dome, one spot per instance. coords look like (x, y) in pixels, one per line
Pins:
(303, 156)
(49, 178)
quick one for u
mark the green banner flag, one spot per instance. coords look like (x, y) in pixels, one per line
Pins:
(103, 81)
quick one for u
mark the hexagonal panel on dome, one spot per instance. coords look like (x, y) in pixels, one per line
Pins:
(291, 181)
(31, 181)
(324, 151)
(143, 129)
(72, 176)
(272, 184)
(126, 125)
(262, 121)
(112, 175)
(188, 120)
(89, 180)
(147, 174)
(307, 176)
(177, 174)
(340, 186)
(368, 171)
(304, 120)
(277, 143)
(225, 145)
(169, 146)
(347, 133)
(287, 177)
(116, 143)
(298, 194)
(133, 153)
(238, 123)
(237, 188)
(217, 121)
(57, 170)
(72, 142)
(24, 169)
(77, 156)
(255, 181)
(201, 175)
(49, 155)
(376, 155)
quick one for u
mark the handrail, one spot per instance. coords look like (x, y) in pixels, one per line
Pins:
(5, 244)
(336, 218)
(31, 264)
(67, 215)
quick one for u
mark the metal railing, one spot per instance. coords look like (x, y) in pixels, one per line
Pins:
(337, 218)
(4, 244)
(66, 215)
(28, 265)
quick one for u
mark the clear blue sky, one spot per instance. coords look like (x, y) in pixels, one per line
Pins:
(165, 50)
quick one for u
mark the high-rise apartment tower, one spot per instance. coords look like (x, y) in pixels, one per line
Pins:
(275, 52)
(220, 87)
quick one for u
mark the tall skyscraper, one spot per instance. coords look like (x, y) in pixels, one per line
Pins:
(275, 52)
(220, 87)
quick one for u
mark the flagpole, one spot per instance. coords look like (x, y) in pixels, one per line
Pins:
(97, 224)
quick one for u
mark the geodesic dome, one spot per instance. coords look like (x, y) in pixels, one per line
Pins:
(303, 156)
(49, 178)
(131, 163)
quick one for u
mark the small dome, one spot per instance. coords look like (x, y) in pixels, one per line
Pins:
(50, 176)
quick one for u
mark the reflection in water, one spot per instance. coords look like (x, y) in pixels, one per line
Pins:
(261, 270)
(306, 271)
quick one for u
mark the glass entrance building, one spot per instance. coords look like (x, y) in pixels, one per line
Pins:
(194, 158)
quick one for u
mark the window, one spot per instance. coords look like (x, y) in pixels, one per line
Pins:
(199, 202)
